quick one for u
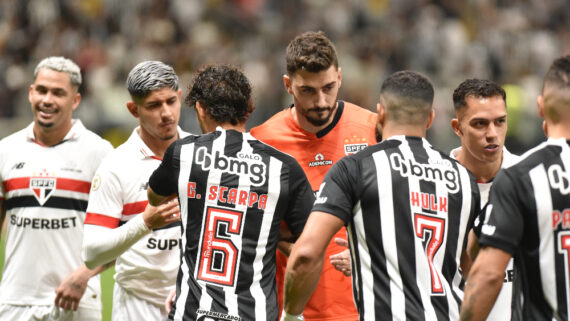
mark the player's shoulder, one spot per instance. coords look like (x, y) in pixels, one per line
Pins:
(275, 123)
(15, 138)
(95, 142)
(263, 148)
(545, 153)
(359, 114)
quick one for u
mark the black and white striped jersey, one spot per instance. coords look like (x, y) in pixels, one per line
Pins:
(234, 192)
(528, 215)
(408, 208)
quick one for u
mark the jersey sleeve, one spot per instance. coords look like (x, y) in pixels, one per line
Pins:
(503, 216)
(164, 180)
(337, 195)
(105, 204)
(300, 201)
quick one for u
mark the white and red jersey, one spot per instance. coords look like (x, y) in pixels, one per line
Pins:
(45, 191)
(148, 268)
(502, 310)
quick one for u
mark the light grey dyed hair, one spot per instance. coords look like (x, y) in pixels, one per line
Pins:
(61, 64)
(148, 76)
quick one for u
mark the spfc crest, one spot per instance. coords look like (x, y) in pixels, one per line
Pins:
(42, 187)
(350, 149)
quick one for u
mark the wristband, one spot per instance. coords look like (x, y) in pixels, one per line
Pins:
(290, 317)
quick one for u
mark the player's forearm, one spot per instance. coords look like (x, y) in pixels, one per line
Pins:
(481, 290)
(303, 273)
(102, 245)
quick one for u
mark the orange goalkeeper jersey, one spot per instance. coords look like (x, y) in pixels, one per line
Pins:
(352, 129)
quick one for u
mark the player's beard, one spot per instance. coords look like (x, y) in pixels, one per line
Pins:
(316, 121)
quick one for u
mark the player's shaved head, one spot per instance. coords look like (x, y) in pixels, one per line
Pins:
(407, 97)
(556, 90)
(311, 51)
(148, 76)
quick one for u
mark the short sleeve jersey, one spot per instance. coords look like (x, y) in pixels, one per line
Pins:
(45, 191)
(408, 208)
(352, 129)
(528, 216)
(234, 192)
(148, 269)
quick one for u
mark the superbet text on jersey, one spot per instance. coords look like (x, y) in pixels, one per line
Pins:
(408, 208)
(45, 191)
(234, 193)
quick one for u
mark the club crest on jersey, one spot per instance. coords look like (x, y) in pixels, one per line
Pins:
(350, 149)
(320, 161)
(42, 187)
(251, 168)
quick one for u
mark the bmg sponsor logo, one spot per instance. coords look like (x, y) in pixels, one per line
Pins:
(251, 168)
(559, 179)
(426, 172)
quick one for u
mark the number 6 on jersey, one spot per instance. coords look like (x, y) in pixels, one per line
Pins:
(218, 254)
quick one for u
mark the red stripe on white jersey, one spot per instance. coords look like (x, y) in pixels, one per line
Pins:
(134, 208)
(101, 220)
(67, 184)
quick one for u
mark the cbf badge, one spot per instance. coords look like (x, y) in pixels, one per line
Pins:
(42, 187)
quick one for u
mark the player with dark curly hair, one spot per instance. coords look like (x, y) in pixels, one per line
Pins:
(234, 191)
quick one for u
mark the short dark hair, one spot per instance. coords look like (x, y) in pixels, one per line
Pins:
(224, 91)
(559, 73)
(407, 97)
(311, 51)
(479, 88)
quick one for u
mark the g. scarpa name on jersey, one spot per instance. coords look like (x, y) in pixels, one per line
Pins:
(43, 223)
(427, 172)
(233, 196)
(250, 167)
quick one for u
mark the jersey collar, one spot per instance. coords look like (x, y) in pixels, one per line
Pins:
(143, 149)
(77, 128)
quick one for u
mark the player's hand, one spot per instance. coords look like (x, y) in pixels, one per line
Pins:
(161, 215)
(70, 291)
(341, 261)
(170, 300)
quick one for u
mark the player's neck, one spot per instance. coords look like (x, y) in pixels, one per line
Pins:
(239, 127)
(483, 171)
(391, 129)
(50, 136)
(560, 130)
(307, 125)
(157, 146)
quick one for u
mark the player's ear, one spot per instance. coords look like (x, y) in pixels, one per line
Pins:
(133, 109)
(287, 83)
(381, 113)
(430, 119)
(540, 103)
(339, 76)
(456, 128)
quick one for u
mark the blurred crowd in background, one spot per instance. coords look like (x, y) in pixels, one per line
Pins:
(509, 41)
